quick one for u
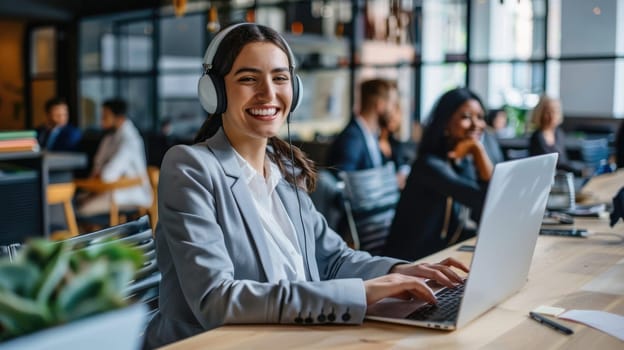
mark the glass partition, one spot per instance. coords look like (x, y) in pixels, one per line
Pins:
(436, 80)
(508, 30)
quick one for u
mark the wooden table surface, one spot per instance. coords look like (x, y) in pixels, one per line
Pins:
(573, 273)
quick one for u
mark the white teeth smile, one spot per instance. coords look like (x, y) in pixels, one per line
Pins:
(262, 111)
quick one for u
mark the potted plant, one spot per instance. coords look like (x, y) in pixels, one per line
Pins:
(52, 284)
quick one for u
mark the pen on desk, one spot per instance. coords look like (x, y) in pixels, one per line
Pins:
(550, 323)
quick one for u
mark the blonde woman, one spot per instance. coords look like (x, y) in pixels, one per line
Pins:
(548, 136)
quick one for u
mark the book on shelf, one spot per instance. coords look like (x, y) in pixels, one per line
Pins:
(34, 148)
(18, 134)
(18, 141)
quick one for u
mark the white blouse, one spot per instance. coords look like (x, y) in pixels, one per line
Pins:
(279, 230)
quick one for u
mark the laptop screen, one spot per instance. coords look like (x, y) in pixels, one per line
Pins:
(510, 223)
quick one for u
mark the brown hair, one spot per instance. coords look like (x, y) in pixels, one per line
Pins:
(53, 102)
(374, 89)
(224, 58)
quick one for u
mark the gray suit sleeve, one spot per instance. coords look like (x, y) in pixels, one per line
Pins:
(202, 260)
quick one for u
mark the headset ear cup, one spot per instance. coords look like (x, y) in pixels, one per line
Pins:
(297, 91)
(219, 86)
(207, 94)
(211, 94)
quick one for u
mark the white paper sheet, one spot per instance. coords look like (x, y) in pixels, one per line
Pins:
(607, 322)
(549, 310)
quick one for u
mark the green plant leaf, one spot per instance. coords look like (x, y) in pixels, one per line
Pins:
(54, 272)
(38, 252)
(121, 273)
(94, 306)
(114, 251)
(87, 284)
(20, 315)
(21, 279)
(51, 282)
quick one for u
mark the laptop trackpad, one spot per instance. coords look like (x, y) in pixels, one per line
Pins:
(394, 308)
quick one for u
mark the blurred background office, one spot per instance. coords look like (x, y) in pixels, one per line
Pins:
(149, 52)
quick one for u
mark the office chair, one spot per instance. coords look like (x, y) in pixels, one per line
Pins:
(116, 215)
(63, 193)
(327, 198)
(370, 199)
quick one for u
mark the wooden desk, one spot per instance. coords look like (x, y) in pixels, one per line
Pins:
(561, 268)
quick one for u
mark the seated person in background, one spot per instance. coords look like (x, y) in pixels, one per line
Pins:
(57, 134)
(619, 146)
(121, 153)
(356, 147)
(446, 188)
(239, 240)
(548, 137)
(393, 149)
(498, 123)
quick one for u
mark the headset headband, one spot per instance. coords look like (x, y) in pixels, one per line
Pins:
(210, 89)
(216, 42)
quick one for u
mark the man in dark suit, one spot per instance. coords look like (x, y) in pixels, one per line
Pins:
(356, 147)
(57, 134)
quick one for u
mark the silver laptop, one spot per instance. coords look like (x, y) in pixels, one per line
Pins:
(510, 223)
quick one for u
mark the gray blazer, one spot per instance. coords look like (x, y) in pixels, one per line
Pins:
(213, 256)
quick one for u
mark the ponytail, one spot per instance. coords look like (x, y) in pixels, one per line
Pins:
(281, 156)
(210, 127)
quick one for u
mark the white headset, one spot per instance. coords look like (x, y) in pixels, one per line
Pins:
(211, 89)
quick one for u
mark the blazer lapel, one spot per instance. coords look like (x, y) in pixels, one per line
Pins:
(291, 203)
(224, 152)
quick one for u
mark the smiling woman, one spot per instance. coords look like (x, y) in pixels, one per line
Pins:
(238, 238)
(445, 190)
(261, 95)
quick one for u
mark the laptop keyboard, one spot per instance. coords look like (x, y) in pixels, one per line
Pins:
(445, 310)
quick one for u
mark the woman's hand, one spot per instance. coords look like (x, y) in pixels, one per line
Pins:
(408, 281)
(463, 148)
(440, 272)
(399, 286)
(481, 160)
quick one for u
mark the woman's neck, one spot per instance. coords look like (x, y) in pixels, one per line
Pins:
(252, 150)
(254, 157)
(549, 128)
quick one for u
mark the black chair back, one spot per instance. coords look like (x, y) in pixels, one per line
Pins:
(370, 198)
(327, 198)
